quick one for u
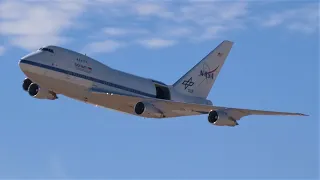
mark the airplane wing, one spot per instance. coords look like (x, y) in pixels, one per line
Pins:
(174, 109)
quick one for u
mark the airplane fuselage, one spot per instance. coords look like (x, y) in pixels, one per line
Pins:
(53, 71)
(61, 71)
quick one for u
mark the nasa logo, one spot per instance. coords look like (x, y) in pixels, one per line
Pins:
(188, 83)
(208, 74)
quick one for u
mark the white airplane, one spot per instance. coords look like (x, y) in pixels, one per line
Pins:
(53, 70)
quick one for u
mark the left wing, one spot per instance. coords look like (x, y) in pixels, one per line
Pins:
(174, 109)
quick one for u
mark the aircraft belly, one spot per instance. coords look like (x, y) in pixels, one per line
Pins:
(78, 88)
(59, 86)
(112, 103)
(78, 92)
(127, 105)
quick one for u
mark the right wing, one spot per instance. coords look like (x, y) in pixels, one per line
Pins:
(175, 109)
(235, 113)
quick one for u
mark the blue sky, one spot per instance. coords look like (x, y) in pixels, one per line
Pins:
(273, 65)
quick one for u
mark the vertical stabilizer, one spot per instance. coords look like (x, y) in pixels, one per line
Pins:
(200, 79)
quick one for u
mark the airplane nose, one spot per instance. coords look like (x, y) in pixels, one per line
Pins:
(23, 61)
(27, 60)
(21, 64)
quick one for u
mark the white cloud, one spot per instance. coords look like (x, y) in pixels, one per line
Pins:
(304, 19)
(298, 26)
(157, 43)
(33, 42)
(103, 46)
(197, 20)
(211, 32)
(151, 9)
(34, 23)
(148, 9)
(2, 50)
(180, 31)
(212, 12)
(112, 31)
(116, 31)
(154, 24)
(272, 21)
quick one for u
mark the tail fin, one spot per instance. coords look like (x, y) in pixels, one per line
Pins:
(200, 79)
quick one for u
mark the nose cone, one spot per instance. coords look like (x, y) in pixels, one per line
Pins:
(22, 63)
(25, 61)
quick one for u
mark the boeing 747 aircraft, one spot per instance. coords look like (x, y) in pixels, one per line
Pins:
(53, 70)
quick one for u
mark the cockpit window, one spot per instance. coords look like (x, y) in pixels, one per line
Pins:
(46, 49)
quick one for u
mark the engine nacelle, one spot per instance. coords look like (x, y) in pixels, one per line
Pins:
(147, 110)
(26, 83)
(220, 118)
(40, 93)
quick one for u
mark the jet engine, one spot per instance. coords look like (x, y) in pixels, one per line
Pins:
(147, 110)
(26, 83)
(41, 93)
(221, 118)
